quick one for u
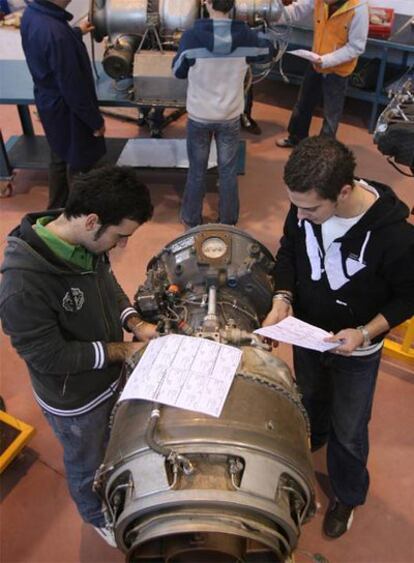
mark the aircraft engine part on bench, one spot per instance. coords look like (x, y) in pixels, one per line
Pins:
(135, 29)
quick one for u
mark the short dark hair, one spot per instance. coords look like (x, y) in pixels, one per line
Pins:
(222, 5)
(320, 163)
(114, 193)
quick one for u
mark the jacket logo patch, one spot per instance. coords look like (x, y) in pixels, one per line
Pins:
(73, 300)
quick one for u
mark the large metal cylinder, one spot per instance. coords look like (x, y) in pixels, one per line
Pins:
(118, 17)
(126, 23)
(177, 16)
(188, 487)
(254, 11)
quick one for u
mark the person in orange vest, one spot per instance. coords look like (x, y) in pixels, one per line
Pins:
(340, 36)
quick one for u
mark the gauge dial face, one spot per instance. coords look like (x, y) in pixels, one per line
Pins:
(214, 247)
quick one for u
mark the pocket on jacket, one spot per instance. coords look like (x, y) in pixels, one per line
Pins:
(353, 266)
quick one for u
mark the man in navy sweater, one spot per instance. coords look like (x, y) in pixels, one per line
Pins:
(64, 93)
(214, 54)
(345, 264)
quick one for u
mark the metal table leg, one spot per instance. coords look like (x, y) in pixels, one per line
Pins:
(25, 120)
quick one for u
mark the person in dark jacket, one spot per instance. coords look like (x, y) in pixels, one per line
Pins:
(345, 264)
(64, 93)
(64, 311)
(214, 54)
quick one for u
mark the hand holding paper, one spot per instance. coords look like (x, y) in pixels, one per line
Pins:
(297, 332)
(308, 55)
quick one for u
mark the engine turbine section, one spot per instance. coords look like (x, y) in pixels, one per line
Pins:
(185, 487)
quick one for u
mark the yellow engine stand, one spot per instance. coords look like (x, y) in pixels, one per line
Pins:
(403, 350)
(14, 434)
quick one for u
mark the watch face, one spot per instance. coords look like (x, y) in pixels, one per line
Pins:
(213, 248)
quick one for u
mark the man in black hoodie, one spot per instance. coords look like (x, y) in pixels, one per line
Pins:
(345, 264)
(65, 312)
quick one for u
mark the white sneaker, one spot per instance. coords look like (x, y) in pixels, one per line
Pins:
(107, 535)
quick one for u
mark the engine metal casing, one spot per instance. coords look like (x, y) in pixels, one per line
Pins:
(263, 425)
(251, 477)
(177, 16)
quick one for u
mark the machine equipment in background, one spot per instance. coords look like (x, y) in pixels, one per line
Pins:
(180, 486)
(142, 36)
(394, 132)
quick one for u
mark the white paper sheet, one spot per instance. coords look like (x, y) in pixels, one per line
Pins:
(186, 372)
(299, 333)
(305, 54)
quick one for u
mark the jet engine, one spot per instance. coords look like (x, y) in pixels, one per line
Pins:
(142, 35)
(180, 486)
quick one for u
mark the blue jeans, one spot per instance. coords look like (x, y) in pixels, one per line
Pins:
(331, 88)
(337, 392)
(84, 439)
(199, 136)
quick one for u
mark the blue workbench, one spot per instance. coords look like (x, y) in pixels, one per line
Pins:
(32, 151)
(29, 150)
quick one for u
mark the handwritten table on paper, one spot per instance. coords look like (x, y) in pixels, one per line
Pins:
(186, 372)
(297, 332)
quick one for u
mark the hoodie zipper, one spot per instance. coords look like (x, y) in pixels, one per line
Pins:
(107, 326)
(64, 384)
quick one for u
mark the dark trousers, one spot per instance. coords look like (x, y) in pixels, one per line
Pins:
(337, 392)
(61, 176)
(248, 102)
(317, 87)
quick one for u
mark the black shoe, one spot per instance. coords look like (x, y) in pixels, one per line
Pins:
(286, 143)
(249, 125)
(156, 133)
(338, 519)
(142, 120)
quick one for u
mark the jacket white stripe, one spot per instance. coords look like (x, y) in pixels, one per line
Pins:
(314, 252)
(126, 312)
(361, 254)
(99, 355)
(368, 350)
(204, 53)
(81, 410)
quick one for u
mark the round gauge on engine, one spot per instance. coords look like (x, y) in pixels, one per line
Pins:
(213, 248)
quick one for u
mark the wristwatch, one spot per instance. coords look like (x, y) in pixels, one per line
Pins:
(365, 334)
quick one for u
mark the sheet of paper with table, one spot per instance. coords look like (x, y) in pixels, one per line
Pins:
(186, 372)
(299, 333)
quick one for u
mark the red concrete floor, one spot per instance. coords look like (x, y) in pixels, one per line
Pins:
(39, 523)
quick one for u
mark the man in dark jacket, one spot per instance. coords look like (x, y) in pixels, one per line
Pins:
(64, 93)
(214, 54)
(345, 264)
(65, 312)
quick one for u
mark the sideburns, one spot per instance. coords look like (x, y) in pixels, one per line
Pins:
(100, 232)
